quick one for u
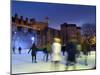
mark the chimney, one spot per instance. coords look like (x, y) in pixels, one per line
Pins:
(32, 21)
(16, 16)
(21, 18)
(26, 20)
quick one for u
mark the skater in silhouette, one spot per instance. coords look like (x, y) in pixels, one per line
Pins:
(85, 48)
(13, 49)
(71, 55)
(63, 49)
(33, 50)
(47, 51)
(19, 49)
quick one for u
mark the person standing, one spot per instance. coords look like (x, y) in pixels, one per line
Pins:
(13, 49)
(56, 52)
(19, 49)
(85, 48)
(33, 50)
(71, 55)
(45, 52)
(48, 47)
(63, 49)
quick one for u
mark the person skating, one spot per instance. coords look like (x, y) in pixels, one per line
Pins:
(48, 47)
(71, 55)
(47, 51)
(85, 48)
(63, 49)
(33, 50)
(14, 50)
(56, 53)
(19, 49)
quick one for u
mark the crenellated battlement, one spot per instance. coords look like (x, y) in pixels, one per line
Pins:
(31, 23)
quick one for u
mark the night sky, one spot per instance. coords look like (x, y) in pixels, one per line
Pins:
(57, 13)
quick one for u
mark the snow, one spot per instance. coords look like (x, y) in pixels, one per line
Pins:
(21, 63)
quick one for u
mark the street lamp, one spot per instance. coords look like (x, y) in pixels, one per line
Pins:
(15, 32)
(33, 39)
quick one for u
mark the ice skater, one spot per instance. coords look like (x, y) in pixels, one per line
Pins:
(13, 49)
(63, 49)
(71, 55)
(33, 50)
(56, 53)
(19, 49)
(85, 48)
(47, 51)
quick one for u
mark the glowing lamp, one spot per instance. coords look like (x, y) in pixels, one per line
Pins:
(15, 32)
(32, 38)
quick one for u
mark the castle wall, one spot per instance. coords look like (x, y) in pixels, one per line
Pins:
(24, 30)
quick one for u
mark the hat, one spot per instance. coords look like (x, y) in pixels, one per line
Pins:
(57, 39)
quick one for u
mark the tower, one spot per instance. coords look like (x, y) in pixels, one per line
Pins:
(47, 19)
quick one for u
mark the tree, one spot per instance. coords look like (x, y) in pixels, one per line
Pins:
(89, 31)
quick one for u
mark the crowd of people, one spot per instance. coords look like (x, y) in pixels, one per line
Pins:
(54, 50)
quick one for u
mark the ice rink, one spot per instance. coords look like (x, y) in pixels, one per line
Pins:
(21, 63)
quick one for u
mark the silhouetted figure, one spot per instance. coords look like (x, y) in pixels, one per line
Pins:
(33, 50)
(13, 49)
(89, 49)
(19, 49)
(85, 49)
(45, 54)
(63, 49)
(47, 51)
(71, 55)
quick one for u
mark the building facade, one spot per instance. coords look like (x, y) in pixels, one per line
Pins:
(23, 30)
(70, 32)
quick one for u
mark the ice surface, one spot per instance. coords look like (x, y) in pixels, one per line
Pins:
(21, 63)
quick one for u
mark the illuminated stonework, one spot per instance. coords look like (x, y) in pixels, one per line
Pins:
(24, 30)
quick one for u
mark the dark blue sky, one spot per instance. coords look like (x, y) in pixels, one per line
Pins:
(57, 13)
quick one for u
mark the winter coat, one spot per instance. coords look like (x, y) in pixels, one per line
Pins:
(71, 52)
(56, 52)
(33, 50)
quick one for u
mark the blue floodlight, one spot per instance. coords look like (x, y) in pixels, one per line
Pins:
(15, 32)
(33, 39)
